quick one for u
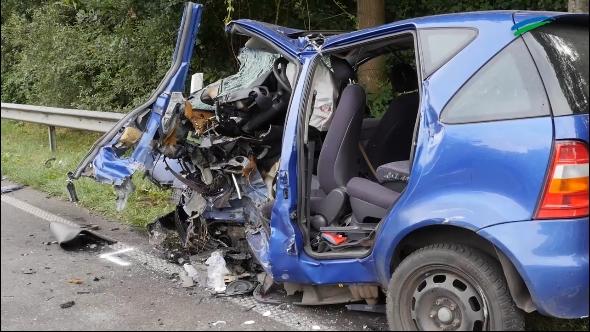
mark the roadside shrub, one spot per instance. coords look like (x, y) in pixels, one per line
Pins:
(100, 56)
(109, 55)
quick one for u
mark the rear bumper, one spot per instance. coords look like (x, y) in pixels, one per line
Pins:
(552, 258)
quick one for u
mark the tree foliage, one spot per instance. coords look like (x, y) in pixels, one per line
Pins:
(110, 54)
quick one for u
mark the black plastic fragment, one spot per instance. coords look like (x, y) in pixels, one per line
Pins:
(68, 234)
(67, 304)
(71, 188)
(239, 287)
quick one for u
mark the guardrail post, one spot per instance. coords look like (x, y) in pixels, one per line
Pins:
(52, 140)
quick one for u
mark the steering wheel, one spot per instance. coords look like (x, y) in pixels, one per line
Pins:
(279, 69)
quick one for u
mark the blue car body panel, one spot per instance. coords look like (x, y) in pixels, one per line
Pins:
(552, 258)
(572, 126)
(494, 185)
(480, 20)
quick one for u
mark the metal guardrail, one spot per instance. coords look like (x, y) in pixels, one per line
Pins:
(60, 117)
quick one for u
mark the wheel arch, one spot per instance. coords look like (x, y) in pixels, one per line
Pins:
(428, 235)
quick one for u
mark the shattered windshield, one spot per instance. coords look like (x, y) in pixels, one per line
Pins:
(254, 66)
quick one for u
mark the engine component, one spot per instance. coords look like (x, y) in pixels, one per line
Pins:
(201, 120)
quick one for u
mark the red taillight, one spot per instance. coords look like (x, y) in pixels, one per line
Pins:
(566, 190)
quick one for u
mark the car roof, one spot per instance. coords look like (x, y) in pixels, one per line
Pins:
(477, 20)
(289, 39)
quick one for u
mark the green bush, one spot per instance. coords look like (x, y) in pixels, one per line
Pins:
(110, 54)
(99, 56)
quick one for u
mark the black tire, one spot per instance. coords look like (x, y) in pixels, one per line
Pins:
(450, 287)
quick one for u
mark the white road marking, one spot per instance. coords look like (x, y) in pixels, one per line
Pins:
(297, 321)
(112, 257)
(37, 212)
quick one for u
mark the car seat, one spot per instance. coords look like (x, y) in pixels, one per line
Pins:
(338, 161)
(392, 138)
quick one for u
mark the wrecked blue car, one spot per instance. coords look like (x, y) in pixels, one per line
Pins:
(462, 206)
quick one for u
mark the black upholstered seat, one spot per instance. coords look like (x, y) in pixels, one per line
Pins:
(338, 160)
(369, 199)
(392, 138)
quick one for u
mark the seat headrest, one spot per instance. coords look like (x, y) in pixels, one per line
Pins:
(343, 71)
(403, 78)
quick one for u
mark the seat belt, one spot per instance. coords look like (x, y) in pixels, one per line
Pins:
(366, 158)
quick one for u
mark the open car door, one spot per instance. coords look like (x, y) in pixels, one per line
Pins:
(108, 161)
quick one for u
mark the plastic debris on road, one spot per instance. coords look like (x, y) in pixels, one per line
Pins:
(191, 272)
(216, 271)
(67, 304)
(75, 281)
(11, 187)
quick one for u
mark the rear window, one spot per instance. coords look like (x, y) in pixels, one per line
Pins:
(560, 50)
(507, 87)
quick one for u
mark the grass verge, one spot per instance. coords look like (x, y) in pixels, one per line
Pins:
(25, 150)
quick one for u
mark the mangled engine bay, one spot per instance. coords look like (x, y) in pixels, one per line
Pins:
(222, 145)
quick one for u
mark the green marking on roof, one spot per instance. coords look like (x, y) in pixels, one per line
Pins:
(530, 27)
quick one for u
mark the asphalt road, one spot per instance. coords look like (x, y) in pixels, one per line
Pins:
(37, 278)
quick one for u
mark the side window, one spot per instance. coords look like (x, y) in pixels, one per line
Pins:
(439, 45)
(507, 87)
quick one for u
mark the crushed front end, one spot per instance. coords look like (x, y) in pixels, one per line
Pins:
(218, 149)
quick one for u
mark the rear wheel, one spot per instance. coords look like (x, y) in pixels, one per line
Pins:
(450, 287)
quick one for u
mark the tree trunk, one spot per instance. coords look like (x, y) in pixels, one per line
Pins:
(371, 13)
(577, 6)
